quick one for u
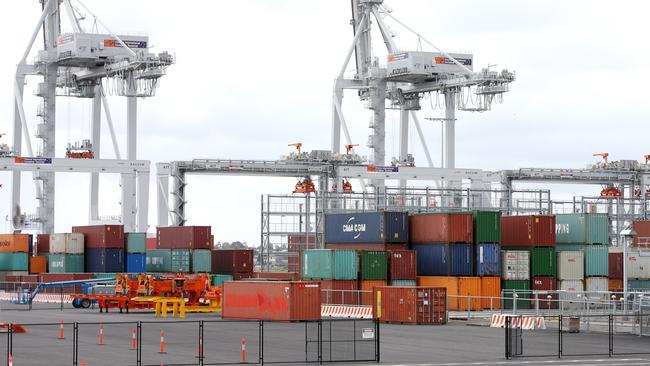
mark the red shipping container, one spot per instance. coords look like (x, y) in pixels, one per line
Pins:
(241, 276)
(403, 264)
(43, 243)
(279, 276)
(528, 231)
(441, 228)
(642, 238)
(184, 237)
(410, 305)
(296, 244)
(284, 301)
(544, 286)
(229, 261)
(151, 243)
(615, 263)
(340, 292)
(372, 247)
(101, 236)
(59, 277)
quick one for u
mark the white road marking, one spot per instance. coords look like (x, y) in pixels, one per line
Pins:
(582, 362)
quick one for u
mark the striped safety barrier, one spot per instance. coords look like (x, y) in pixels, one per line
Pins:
(342, 311)
(44, 298)
(527, 322)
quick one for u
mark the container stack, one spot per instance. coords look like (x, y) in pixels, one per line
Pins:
(66, 253)
(638, 265)
(237, 263)
(181, 249)
(295, 245)
(103, 247)
(615, 269)
(14, 253)
(487, 256)
(135, 253)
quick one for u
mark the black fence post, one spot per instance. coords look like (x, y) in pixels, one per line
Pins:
(200, 342)
(611, 335)
(377, 342)
(61, 292)
(559, 338)
(75, 344)
(320, 341)
(10, 344)
(262, 342)
(507, 335)
(138, 331)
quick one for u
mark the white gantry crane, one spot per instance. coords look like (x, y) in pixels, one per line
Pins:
(83, 64)
(407, 77)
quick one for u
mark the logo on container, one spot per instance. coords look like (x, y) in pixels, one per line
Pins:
(561, 228)
(351, 227)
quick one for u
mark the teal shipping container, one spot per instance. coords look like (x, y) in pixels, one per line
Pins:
(330, 264)
(643, 285)
(104, 275)
(374, 265)
(596, 260)
(403, 283)
(487, 227)
(569, 247)
(201, 261)
(66, 263)
(543, 262)
(219, 279)
(159, 260)
(518, 290)
(136, 242)
(14, 261)
(582, 229)
(181, 260)
(346, 265)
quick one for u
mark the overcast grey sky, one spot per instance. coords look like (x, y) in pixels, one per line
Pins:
(253, 76)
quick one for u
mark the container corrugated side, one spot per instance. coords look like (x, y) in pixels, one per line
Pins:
(136, 242)
(528, 231)
(596, 260)
(515, 265)
(403, 264)
(571, 265)
(403, 283)
(14, 262)
(642, 237)
(374, 265)
(572, 290)
(317, 264)
(366, 227)
(543, 262)
(219, 279)
(597, 288)
(231, 261)
(638, 265)
(136, 263)
(544, 288)
(642, 285)
(102, 236)
(366, 288)
(201, 261)
(491, 292)
(14, 243)
(449, 283)
(345, 265)
(68, 243)
(65, 263)
(520, 288)
(104, 260)
(441, 228)
(487, 226)
(43, 243)
(615, 266)
(340, 292)
(469, 292)
(410, 305)
(487, 259)
(582, 228)
(432, 259)
(184, 237)
(461, 259)
(159, 260)
(181, 260)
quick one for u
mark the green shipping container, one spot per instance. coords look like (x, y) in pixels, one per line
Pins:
(596, 260)
(66, 263)
(201, 261)
(159, 260)
(487, 227)
(374, 265)
(219, 279)
(643, 285)
(519, 287)
(582, 229)
(181, 260)
(346, 265)
(136, 242)
(543, 262)
(14, 262)
(330, 264)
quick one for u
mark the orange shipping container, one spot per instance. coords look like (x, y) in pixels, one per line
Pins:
(37, 264)
(410, 305)
(469, 289)
(367, 287)
(450, 283)
(14, 243)
(615, 285)
(491, 288)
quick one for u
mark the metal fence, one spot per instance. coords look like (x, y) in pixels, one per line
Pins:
(578, 336)
(202, 342)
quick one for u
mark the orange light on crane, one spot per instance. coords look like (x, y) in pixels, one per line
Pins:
(298, 145)
(349, 147)
(604, 156)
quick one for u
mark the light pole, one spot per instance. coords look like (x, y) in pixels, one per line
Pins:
(627, 234)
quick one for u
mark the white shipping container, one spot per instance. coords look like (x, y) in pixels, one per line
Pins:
(68, 243)
(597, 288)
(515, 264)
(571, 265)
(638, 265)
(571, 290)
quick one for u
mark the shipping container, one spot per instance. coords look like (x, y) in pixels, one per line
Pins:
(345, 265)
(545, 289)
(469, 292)
(101, 236)
(374, 265)
(461, 259)
(37, 264)
(441, 228)
(43, 243)
(543, 262)
(596, 260)
(597, 288)
(59, 277)
(152, 243)
(410, 305)
(571, 291)
(330, 264)
(379, 246)
(642, 285)
(449, 283)
(278, 276)
(403, 283)
(491, 292)
(159, 260)
(366, 227)
(68, 243)
(136, 242)
(201, 261)
(104, 260)
(403, 264)
(487, 259)
(516, 292)
(230, 261)
(569, 247)
(281, 301)
(219, 279)
(366, 288)
(642, 238)
(181, 260)
(184, 237)
(515, 265)
(136, 263)
(340, 292)
(487, 227)
(570, 265)
(615, 266)
(296, 244)
(14, 261)
(65, 263)
(581, 228)
(528, 231)
(432, 259)
(14, 243)
(616, 285)
(638, 265)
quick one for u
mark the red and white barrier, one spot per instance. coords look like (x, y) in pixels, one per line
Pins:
(527, 322)
(342, 311)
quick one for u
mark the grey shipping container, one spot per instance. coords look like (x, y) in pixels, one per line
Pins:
(201, 261)
(366, 227)
(159, 260)
(181, 260)
(136, 242)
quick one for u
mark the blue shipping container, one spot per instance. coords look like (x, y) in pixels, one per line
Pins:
(461, 259)
(136, 263)
(488, 260)
(104, 260)
(366, 228)
(432, 259)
